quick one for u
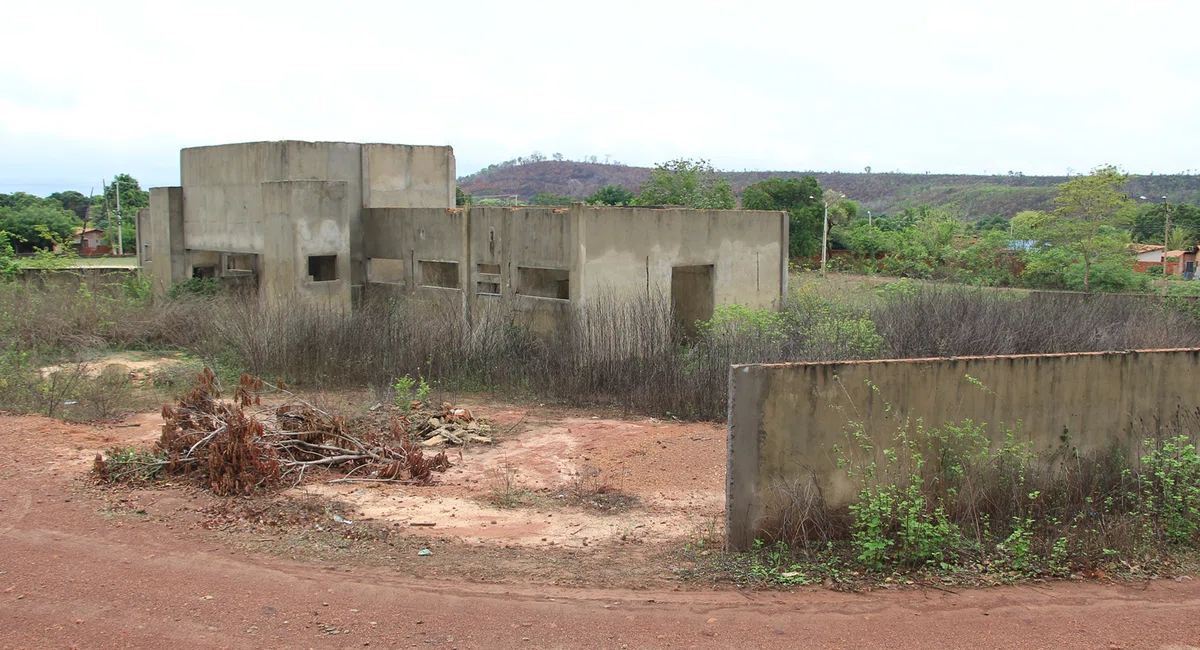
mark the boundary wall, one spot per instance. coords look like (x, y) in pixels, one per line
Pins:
(785, 419)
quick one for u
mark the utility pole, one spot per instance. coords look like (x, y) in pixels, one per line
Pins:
(1167, 244)
(120, 244)
(825, 239)
(104, 186)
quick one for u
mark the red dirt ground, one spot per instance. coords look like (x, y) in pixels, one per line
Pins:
(75, 572)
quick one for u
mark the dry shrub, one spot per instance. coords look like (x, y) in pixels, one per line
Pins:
(216, 441)
(939, 321)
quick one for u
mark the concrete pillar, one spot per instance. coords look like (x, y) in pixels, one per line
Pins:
(168, 261)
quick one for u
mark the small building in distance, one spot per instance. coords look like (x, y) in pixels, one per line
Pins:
(334, 222)
(91, 242)
(1181, 263)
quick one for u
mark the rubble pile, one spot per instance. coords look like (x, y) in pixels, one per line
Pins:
(447, 424)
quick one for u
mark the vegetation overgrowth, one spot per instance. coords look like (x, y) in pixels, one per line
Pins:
(952, 504)
(629, 354)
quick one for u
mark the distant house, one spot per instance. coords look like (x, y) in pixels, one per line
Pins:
(1146, 256)
(1181, 262)
(90, 242)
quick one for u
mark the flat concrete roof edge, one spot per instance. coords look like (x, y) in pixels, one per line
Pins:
(385, 144)
(860, 362)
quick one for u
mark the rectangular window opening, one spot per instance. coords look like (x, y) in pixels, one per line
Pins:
(487, 288)
(493, 269)
(544, 283)
(322, 268)
(439, 274)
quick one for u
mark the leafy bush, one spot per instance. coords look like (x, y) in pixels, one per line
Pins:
(8, 258)
(129, 464)
(1171, 490)
(1112, 276)
(409, 390)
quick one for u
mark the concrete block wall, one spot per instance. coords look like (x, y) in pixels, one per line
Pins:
(784, 419)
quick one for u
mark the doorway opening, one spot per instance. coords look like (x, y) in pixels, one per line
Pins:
(692, 297)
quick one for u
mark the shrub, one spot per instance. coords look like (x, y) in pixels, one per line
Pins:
(1171, 489)
(952, 498)
(409, 390)
(933, 321)
(128, 464)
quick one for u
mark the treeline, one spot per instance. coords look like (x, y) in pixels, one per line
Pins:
(1086, 241)
(29, 222)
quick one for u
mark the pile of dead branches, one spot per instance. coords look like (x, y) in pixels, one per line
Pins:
(239, 446)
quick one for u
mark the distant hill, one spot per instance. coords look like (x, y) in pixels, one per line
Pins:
(972, 197)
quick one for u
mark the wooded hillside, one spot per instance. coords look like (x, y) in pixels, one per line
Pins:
(972, 197)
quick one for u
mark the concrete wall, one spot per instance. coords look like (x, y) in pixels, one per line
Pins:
(225, 197)
(784, 419)
(168, 262)
(540, 261)
(304, 219)
(407, 176)
(635, 249)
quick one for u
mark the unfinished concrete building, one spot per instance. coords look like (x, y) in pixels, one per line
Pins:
(334, 221)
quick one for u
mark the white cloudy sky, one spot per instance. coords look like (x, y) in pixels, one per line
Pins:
(90, 88)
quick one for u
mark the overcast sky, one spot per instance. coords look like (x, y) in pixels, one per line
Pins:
(88, 89)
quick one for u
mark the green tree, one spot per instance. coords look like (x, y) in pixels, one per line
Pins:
(1150, 219)
(992, 223)
(133, 198)
(461, 197)
(8, 258)
(19, 200)
(610, 195)
(73, 201)
(550, 198)
(801, 199)
(1084, 208)
(686, 183)
(25, 223)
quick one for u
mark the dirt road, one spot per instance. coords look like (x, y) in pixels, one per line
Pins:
(72, 576)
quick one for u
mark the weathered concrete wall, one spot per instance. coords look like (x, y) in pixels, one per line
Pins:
(634, 250)
(407, 176)
(223, 187)
(303, 219)
(540, 261)
(784, 419)
(168, 262)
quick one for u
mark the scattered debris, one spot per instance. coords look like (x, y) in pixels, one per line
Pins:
(240, 446)
(424, 552)
(456, 426)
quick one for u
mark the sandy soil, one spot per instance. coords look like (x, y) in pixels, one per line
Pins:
(79, 570)
(673, 471)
